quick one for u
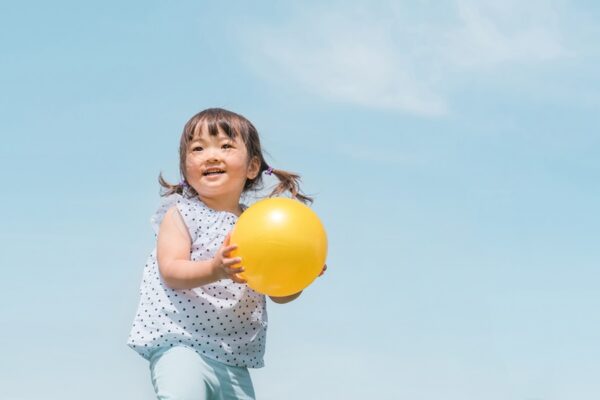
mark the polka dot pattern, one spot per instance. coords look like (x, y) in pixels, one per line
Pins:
(224, 320)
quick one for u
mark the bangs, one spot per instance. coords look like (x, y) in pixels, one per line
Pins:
(213, 128)
(215, 120)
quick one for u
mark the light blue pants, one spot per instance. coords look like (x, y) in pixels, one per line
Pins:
(180, 373)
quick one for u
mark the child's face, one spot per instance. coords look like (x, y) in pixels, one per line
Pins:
(217, 166)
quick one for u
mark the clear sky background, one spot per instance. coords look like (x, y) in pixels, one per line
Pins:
(452, 148)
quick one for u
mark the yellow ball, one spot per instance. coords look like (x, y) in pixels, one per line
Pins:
(283, 246)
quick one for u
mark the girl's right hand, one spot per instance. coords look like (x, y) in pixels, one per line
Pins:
(224, 266)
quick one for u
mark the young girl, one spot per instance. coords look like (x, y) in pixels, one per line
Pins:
(197, 322)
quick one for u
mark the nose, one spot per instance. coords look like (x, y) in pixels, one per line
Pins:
(211, 154)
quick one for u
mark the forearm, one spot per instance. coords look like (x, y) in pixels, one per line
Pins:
(286, 299)
(186, 274)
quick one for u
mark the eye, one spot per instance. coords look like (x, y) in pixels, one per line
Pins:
(197, 148)
(227, 146)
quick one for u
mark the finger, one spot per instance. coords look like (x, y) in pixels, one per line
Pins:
(323, 270)
(235, 270)
(227, 249)
(231, 261)
(238, 279)
(227, 238)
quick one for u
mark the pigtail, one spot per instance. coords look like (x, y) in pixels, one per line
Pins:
(290, 182)
(169, 188)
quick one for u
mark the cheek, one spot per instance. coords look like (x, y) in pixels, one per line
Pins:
(236, 161)
(191, 166)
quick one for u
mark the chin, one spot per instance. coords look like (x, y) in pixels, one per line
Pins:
(215, 193)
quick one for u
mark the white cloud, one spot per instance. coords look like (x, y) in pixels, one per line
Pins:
(356, 64)
(399, 58)
(494, 33)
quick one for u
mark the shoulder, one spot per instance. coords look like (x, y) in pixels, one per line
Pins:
(173, 214)
(173, 222)
(166, 203)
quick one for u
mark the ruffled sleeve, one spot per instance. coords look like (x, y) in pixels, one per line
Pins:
(165, 203)
(187, 209)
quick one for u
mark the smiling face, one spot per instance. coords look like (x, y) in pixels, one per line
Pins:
(217, 167)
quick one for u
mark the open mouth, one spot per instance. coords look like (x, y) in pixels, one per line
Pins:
(213, 172)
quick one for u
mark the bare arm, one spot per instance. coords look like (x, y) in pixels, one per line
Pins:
(173, 253)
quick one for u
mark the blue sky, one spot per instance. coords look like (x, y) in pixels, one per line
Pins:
(452, 148)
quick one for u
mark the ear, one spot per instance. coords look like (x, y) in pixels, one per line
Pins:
(253, 168)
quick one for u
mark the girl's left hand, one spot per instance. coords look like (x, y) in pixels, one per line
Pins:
(323, 270)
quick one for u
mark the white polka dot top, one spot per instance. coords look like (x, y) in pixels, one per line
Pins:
(224, 320)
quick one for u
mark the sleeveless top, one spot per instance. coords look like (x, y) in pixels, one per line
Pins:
(223, 320)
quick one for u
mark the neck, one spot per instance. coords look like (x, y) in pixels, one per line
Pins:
(220, 204)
